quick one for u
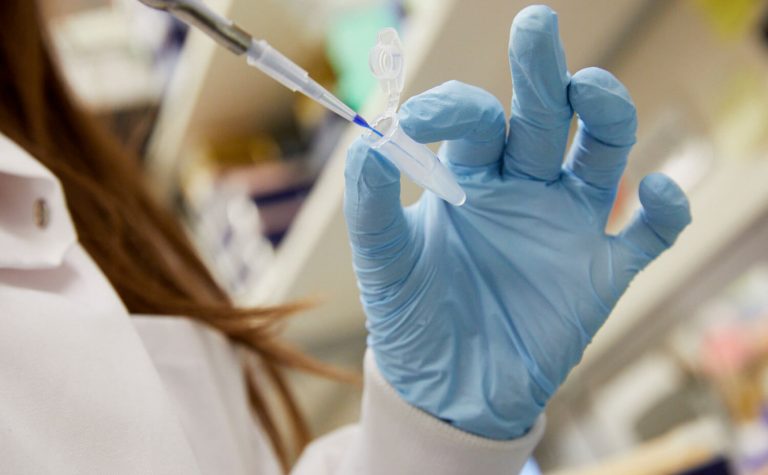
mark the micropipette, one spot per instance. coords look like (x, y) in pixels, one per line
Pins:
(259, 53)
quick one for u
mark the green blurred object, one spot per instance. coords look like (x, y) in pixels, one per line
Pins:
(351, 34)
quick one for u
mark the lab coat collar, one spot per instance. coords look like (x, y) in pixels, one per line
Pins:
(36, 230)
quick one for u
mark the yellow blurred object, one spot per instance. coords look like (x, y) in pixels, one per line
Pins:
(681, 449)
(731, 18)
(743, 392)
(743, 125)
(243, 151)
(309, 113)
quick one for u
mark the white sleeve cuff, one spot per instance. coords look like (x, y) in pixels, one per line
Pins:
(400, 438)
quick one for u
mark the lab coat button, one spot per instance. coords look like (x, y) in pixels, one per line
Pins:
(42, 213)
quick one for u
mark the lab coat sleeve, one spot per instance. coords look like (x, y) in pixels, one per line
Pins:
(395, 437)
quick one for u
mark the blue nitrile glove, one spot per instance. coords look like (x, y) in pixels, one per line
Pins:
(476, 314)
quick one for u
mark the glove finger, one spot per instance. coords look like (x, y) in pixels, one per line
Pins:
(654, 228)
(376, 224)
(541, 113)
(607, 125)
(470, 119)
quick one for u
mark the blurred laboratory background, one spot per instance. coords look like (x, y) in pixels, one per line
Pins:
(676, 382)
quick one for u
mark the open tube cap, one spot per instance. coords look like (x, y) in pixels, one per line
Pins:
(387, 65)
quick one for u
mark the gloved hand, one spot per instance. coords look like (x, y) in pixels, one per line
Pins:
(476, 314)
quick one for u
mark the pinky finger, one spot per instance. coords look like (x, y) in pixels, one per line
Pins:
(664, 214)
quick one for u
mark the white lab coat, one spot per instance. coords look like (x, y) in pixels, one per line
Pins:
(84, 388)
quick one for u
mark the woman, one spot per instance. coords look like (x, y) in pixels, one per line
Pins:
(121, 355)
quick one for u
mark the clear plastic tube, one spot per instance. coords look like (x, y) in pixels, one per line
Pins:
(414, 159)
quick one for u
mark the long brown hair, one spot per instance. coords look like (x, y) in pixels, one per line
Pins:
(136, 243)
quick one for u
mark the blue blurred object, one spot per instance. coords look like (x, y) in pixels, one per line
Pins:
(477, 314)
(717, 466)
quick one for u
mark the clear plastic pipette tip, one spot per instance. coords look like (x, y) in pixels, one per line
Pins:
(363, 123)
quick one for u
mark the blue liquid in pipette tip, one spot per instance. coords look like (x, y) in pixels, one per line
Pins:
(362, 123)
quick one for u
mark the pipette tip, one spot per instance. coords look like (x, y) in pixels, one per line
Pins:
(362, 123)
